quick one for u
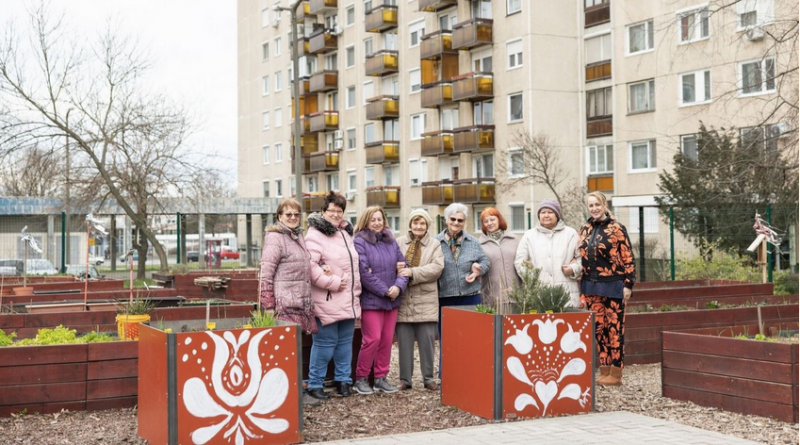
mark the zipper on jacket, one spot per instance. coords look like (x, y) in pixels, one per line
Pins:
(593, 253)
(352, 276)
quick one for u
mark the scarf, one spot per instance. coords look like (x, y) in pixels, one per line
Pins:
(414, 252)
(294, 233)
(496, 236)
(454, 242)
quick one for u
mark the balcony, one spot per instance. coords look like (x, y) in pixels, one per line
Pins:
(476, 138)
(306, 165)
(303, 11)
(324, 81)
(596, 15)
(601, 126)
(381, 18)
(437, 193)
(326, 161)
(305, 86)
(308, 104)
(598, 71)
(383, 107)
(436, 94)
(309, 143)
(381, 63)
(322, 6)
(603, 182)
(436, 5)
(472, 34)
(437, 143)
(322, 43)
(473, 87)
(436, 44)
(383, 152)
(304, 48)
(324, 121)
(474, 191)
(312, 202)
(386, 196)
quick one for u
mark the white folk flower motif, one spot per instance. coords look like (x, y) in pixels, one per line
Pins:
(576, 366)
(547, 330)
(240, 388)
(521, 341)
(571, 341)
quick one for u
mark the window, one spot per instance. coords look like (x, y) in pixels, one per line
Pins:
(516, 220)
(391, 175)
(689, 146)
(369, 177)
(755, 13)
(643, 156)
(368, 48)
(278, 188)
(265, 90)
(369, 91)
(278, 152)
(515, 107)
(266, 189)
(650, 219)
(762, 138)
(265, 120)
(277, 11)
(332, 101)
(416, 31)
(332, 181)
(352, 180)
(351, 138)
(290, 74)
(481, 9)
(332, 61)
(448, 118)
(641, 96)
(696, 87)
(351, 97)
(482, 165)
(481, 60)
(265, 154)
(352, 218)
(599, 103)
(514, 50)
(600, 159)
(513, 6)
(598, 49)
(350, 15)
(393, 220)
(312, 184)
(640, 37)
(415, 80)
(589, 3)
(391, 130)
(350, 56)
(483, 113)
(758, 76)
(277, 46)
(418, 171)
(278, 117)
(693, 25)
(264, 17)
(292, 186)
(265, 51)
(332, 21)
(516, 162)
(390, 41)
(278, 82)
(417, 125)
(369, 133)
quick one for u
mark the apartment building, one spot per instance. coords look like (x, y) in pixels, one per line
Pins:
(409, 104)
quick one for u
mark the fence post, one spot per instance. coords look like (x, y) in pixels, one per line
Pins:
(671, 244)
(438, 224)
(770, 248)
(63, 242)
(249, 239)
(529, 220)
(178, 241)
(642, 274)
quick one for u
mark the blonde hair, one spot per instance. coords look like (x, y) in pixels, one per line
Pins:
(601, 198)
(363, 220)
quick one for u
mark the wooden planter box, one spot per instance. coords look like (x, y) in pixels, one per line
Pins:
(517, 366)
(45, 379)
(220, 387)
(710, 368)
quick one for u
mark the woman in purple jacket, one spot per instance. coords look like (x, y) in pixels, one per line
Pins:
(381, 289)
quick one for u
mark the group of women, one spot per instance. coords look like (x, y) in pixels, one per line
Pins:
(337, 274)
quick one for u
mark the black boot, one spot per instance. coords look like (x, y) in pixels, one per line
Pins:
(343, 389)
(317, 393)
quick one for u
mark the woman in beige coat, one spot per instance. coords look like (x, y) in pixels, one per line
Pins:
(500, 246)
(419, 310)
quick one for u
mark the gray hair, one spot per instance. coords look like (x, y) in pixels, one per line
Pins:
(454, 208)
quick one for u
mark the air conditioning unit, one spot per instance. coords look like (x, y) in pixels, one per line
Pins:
(350, 196)
(338, 144)
(338, 134)
(275, 22)
(779, 130)
(754, 34)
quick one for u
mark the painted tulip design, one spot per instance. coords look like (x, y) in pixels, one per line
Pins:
(237, 384)
(547, 330)
(521, 341)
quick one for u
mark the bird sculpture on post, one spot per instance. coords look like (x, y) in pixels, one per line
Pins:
(29, 241)
(93, 227)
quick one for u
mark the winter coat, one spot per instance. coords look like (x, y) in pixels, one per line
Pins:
(378, 255)
(421, 298)
(502, 277)
(285, 277)
(548, 250)
(333, 246)
(452, 282)
(606, 253)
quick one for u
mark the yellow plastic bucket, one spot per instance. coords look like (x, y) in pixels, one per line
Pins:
(128, 326)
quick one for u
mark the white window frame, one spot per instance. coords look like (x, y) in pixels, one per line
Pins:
(520, 206)
(510, 6)
(278, 152)
(265, 154)
(764, 9)
(264, 51)
(278, 81)
(265, 120)
(352, 173)
(279, 188)
(348, 104)
(277, 48)
(414, 80)
(265, 17)
(374, 136)
(607, 150)
(652, 156)
(347, 137)
(508, 108)
(417, 171)
(371, 47)
(332, 181)
(278, 117)
(265, 189)
(369, 172)
(650, 96)
(512, 152)
(700, 12)
(762, 64)
(699, 88)
(364, 91)
(418, 117)
(684, 138)
(347, 9)
(605, 41)
(418, 27)
(347, 52)
(514, 60)
(648, 31)
(265, 86)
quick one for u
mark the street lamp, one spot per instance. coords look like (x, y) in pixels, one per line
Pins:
(298, 154)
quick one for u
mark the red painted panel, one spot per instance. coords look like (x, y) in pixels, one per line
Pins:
(106, 389)
(113, 369)
(39, 374)
(152, 412)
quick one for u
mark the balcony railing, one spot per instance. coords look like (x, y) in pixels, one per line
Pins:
(472, 34)
(305, 86)
(603, 183)
(309, 143)
(383, 107)
(382, 63)
(473, 87)
(322, 6)
(303, 11)
(474, 191)
(596, 15)
(386, 196)
(598, 71)
(435, 44)
(437, 193)
(437, 143)
(304, 48)
(599, 126)
(383, 152)
(326, 161)
(312, 202)
(306, 166)
(436, 94)
(476, 138)
(381, 18)
(308, 105)
(322, 42)
(436, 5)
(324, 121)
(323, 81)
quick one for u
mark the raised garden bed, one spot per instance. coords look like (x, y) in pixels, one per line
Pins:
(48, 286)
(711, 368)
(92, 295)
(698, 295)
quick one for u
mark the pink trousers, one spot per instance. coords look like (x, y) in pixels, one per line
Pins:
(377, 331)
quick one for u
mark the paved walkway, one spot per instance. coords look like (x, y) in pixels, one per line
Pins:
(600, 428)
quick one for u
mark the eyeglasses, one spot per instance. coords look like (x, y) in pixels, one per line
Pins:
(457, 220)
(335, 212)
(291, 215)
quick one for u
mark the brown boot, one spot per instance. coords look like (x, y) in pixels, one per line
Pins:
(604, 371)
(614, 377)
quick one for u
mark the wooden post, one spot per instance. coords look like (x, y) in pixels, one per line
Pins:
(762, 260)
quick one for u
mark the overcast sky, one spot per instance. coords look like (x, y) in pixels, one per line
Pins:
(192, 45)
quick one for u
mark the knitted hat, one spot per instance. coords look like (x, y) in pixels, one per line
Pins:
(552, 204)
(420, 213)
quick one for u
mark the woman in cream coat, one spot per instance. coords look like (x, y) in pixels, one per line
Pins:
(552, 247)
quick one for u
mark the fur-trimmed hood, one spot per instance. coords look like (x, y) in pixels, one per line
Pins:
(316, 221)
(371, 237)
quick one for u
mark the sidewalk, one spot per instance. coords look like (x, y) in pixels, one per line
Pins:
(600, 428)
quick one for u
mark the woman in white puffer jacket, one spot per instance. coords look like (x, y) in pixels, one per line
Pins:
(552, 247)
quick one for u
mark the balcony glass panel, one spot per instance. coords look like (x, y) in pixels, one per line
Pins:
(321, 43)
(325, 161)
(386, 196)
(603, 183)
(473, 86)
(312, 202)
(437, 193)
(381, 63)
(597, 14)
(437, 143)
(383, 107)
(474, 191)
(474, 139)
(436, 5)
(599, 127)
(324, 81)
(383, 152)
(381, 18)
(325, 121)
(435, 44)
(322, 6)
(435, 95)
(598, 71)
(472, 34)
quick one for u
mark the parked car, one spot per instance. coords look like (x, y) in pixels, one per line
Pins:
(8, 267)
(192, 256)
(228, 253)
(96, 260)
(79, 270)
(122, 258)
(39, 266)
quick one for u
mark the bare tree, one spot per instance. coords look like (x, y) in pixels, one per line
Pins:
(130, 142)
(33, 171)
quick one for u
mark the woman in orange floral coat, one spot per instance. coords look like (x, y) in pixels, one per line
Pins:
(607, 283)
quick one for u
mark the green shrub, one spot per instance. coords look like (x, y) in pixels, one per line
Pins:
(485, 309)
(7, 339)
(551, 298)
(524, 294)
(262, 319)
(724, 266)
(96, 337)
(786, 283)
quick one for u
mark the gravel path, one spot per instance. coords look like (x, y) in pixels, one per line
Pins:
(409, 411)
